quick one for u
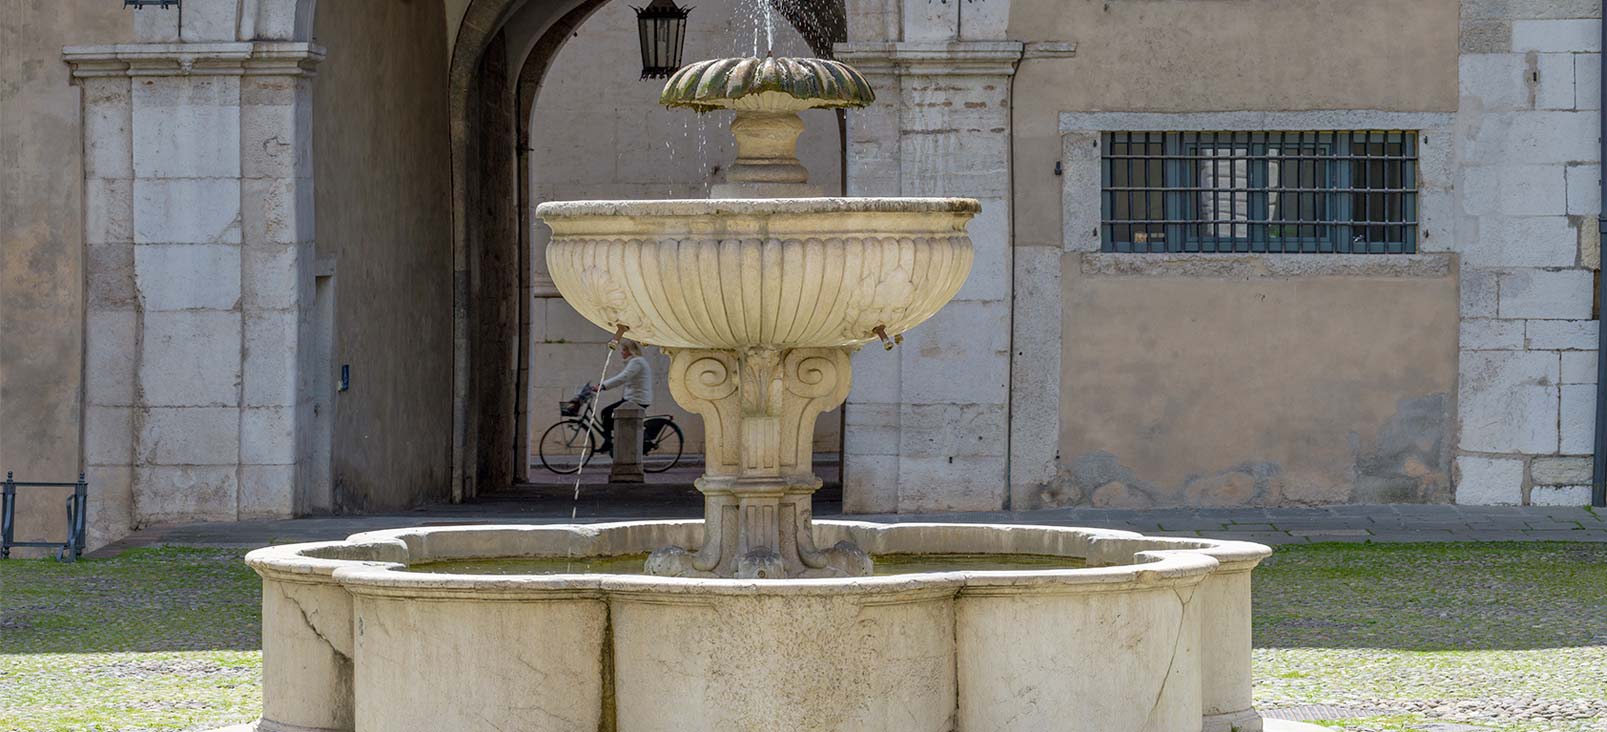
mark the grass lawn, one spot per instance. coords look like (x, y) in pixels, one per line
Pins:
(1509, 637)
(155, 639)
(1390, 637)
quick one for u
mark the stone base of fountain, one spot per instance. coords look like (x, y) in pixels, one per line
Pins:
(1128, 632)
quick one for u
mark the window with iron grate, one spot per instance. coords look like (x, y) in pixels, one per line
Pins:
(1352, 192)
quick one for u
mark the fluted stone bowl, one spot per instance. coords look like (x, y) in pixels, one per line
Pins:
(745, 273)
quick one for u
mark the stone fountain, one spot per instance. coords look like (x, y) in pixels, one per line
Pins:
(761, 298)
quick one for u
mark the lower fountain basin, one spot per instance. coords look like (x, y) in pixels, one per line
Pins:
(1134, 633)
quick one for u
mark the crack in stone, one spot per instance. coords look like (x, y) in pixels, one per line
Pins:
(307, 620)
(1177, 641)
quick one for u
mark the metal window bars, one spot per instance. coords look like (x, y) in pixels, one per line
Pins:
(1349, 192)
(77, 514)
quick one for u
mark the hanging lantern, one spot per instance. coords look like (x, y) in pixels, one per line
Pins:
(662, 27)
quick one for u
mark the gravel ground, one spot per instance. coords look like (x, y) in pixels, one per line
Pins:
(1509, 637)
(1391, 637)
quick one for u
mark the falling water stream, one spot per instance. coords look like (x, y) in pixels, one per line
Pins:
(585, 452)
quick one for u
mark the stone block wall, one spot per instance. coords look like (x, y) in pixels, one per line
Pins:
(198, 266)
(1528, 165)
(926, 426)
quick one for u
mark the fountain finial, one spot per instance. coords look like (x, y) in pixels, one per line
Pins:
(767, 94)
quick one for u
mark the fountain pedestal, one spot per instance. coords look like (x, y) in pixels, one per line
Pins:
(759, 407)
(767, 158)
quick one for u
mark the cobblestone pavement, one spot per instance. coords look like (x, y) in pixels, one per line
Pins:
(554, 504)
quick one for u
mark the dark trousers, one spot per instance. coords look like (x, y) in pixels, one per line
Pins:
(607, 418)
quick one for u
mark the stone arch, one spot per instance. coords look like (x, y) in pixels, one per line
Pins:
(511, 43)
(483, 417)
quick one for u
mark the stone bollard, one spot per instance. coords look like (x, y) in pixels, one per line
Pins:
(627, 444)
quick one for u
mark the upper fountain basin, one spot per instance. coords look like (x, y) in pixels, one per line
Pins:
(759, 273)
(769, 84)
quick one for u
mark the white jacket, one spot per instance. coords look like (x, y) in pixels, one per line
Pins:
(637, 377)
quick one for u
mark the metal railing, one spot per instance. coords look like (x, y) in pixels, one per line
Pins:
(77, 515)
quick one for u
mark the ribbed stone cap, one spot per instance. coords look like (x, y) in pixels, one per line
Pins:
(809, 83)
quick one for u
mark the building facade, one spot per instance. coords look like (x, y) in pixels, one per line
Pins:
(274, 257)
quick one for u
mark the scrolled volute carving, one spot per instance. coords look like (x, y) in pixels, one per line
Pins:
(710, 378)
(811, 375)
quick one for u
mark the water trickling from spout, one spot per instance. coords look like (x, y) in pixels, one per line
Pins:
(585, 452)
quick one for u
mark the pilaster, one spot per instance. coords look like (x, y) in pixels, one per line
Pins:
(927, 424)
(198, 184)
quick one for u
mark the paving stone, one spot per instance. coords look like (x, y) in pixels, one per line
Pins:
(1363, 510)
(1435, 525)
(1378, 524)
(1426, 509)
(1415, 536)
(1271, 538)
(1190, 524)
(1554, 527)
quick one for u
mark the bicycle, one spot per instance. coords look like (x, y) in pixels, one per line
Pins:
(569, 445)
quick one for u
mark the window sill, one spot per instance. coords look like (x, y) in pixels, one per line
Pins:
(1251, 266)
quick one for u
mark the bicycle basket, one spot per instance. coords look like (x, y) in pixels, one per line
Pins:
(570, 408)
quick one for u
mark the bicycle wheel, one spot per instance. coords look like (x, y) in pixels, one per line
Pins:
(663, 451)
(566, 446)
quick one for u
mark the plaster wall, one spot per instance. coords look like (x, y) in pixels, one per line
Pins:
(598, 132)
(1214, 382)
(380, 154)
(1187, 56)
(1146, 348)
(41, 258)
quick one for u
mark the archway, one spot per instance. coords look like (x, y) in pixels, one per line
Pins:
(491, 109)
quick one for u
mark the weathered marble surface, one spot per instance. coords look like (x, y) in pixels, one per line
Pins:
(353, 643)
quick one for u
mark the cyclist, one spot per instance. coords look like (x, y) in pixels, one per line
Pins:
(636, 376)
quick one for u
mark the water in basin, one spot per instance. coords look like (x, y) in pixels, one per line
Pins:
(886, 564)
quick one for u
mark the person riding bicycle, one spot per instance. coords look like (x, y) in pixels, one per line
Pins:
(636, 376)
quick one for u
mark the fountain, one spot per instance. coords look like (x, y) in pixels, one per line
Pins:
(761, 296)
(760, 299)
